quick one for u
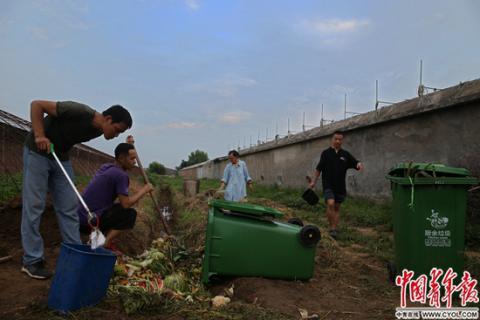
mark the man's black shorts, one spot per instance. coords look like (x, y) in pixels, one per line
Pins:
(330, 194)
(116, 218)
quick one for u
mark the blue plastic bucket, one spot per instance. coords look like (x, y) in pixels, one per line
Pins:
(81, 277)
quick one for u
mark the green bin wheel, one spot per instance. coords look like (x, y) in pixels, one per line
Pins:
(296, 221)
(392, 272)
(309, 236)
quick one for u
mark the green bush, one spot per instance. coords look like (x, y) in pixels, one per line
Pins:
(156, 167)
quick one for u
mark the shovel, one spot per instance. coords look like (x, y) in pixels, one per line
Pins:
(155, 203)
(97, 239)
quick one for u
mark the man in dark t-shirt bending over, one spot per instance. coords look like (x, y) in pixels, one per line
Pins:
(333, 165)
(66, 123)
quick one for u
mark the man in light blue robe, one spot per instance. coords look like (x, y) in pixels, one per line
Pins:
(235, 178)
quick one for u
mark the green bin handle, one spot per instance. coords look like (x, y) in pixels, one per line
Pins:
(411, 205)
(433, 169)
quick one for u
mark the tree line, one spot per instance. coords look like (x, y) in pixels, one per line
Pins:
(194, 157)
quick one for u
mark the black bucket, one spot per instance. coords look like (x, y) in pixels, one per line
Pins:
(310, 196)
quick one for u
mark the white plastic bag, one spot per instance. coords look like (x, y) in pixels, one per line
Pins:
(97, 239)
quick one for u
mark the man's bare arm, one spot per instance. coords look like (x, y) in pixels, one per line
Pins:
(37, 110)
(315, 179)
(127, 201)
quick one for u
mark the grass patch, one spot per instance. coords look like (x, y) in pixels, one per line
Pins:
(355, 211)
(176, 182)
(10, 186)
(189, 217)
(366, 213)
(380, 244)
(290, 197)
(81, 180)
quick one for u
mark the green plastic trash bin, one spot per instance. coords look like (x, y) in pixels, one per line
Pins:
(242, 239)
(429, 205)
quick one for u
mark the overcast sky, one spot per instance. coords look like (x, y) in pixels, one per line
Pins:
(209, 75)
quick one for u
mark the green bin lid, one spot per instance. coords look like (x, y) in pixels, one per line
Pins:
(430, 174)
(401, 169)
(247, 208)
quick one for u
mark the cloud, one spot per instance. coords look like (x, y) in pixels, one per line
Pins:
(156, 129)
(78, 6)
(342, 89)
(183, 125)
(39, 33)
(5, 22)
(193, 5)
(234, 117)
(333, 26)
(44, 35)
(434, 19)
(65, 13)
(332, 32)
(392, 76)
(228, 86)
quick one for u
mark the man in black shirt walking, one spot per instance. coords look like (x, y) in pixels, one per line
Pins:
(333, 165)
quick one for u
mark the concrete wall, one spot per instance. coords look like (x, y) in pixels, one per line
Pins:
(442, 127)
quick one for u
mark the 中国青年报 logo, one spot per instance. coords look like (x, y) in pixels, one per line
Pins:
(438, 302)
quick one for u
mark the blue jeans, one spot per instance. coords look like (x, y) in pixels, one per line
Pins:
(40, 175)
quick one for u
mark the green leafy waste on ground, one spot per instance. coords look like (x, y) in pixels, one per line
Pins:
(165, 272)
(166, 278)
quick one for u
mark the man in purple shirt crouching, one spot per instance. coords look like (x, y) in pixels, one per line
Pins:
(109, 183)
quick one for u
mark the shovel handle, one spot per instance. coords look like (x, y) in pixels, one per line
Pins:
(155, 203)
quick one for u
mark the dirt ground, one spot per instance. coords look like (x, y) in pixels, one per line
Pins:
(347, 284)
(18, 290)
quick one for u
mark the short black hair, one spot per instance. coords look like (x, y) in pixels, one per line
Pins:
(123, 148)
(234, 153)
(119, 114)
(339, 132)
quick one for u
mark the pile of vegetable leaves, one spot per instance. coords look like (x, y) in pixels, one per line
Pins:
(164, 274)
